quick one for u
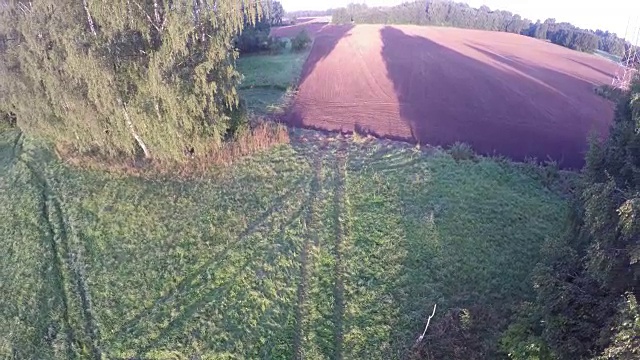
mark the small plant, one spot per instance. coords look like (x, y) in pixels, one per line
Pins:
(301, 41)
(7, 121)
(462, 151)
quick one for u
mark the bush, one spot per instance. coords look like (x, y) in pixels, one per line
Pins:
(239, 121)
(609, 92)
(301, 41)
(277, 45)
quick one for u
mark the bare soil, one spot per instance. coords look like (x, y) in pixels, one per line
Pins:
(502, 93)
(312, 25)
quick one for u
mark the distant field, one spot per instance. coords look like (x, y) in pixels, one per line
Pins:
(502, 93)
(327, 247)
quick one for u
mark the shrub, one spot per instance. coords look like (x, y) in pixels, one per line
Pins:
(254, 38)
(461, 151)
(277, 45)
(301, 41)
(609, 92)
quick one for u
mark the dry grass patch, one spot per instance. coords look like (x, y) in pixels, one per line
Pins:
(262, 137)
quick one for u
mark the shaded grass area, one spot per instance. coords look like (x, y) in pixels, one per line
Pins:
(325, 248)
(269, 79)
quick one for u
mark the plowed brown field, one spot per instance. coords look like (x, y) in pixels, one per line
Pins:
(502, 93)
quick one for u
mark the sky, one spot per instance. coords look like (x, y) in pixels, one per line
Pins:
(612, 15)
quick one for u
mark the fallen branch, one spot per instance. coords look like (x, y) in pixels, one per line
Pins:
(426, 327)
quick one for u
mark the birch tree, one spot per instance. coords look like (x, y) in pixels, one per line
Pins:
(120, 77)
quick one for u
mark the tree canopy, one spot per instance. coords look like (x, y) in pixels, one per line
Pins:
(123, 77)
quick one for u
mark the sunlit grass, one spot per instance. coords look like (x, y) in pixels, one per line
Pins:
(323, 248)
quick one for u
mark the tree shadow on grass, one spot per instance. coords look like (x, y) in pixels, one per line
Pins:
(218, 294)
(446, 97)
(130, 330)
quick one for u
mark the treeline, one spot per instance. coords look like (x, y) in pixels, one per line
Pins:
(567, 35)
(461, 15)
(588, 284)
(309, 13)
(155, 78)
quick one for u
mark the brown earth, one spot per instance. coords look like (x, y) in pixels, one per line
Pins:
(502, 93)
(312, 25)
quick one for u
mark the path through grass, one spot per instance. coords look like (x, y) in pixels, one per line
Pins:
(326, 248)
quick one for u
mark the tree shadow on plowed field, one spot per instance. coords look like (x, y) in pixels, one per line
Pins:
(324, 43)
(511, 110)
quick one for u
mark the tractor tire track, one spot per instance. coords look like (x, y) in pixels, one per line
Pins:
(57, 265)
(311, 238)
(339, 270)
(58, 237)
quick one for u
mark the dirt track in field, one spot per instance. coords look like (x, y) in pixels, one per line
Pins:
(502, 93)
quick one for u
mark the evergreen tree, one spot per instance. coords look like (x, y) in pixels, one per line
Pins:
(588, 285)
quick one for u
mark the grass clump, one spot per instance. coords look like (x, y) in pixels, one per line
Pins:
(462, 151)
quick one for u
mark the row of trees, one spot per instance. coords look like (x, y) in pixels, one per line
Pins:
(461, 15)
(567, 35)
(152, 77)
(438, 13)
(588, 286)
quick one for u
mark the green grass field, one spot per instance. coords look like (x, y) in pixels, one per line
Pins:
(269, 80)
(325, 248)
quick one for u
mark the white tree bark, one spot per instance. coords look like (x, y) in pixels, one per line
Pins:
(133, 132)
(92, 26)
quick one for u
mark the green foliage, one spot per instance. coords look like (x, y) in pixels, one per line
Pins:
(625, 342)
(301, 41)
(269, 79)
(610, 93)
(254, 37)
(343, 246)
(522, 341)
(152, 75)
(586, 273)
